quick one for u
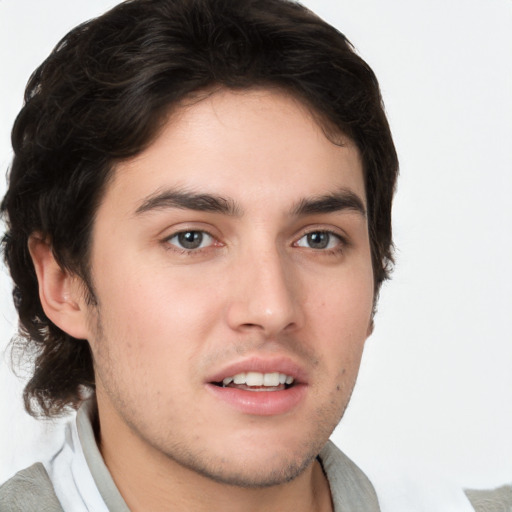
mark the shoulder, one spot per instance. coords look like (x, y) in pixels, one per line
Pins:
(30, 490)
(497, 500)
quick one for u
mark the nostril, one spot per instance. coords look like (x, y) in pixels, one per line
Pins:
(252, 326)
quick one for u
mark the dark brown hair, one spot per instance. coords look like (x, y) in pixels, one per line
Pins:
(101, 96)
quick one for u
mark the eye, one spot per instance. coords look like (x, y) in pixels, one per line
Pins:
(319, 240)
(190, 240)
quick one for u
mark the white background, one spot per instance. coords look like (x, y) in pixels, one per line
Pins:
(435, 388)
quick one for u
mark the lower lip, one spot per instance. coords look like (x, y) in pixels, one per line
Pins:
(260, 403)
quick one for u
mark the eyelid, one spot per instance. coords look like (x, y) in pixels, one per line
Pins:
(182, 226)
(322, 228)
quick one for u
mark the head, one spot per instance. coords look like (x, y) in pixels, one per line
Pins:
(112, 89)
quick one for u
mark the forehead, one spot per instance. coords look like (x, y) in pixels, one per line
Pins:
(255, 145)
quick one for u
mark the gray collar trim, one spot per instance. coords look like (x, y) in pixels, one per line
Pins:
(351, 490)
(108, 490)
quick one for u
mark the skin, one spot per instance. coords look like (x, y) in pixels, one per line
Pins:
(257, 289)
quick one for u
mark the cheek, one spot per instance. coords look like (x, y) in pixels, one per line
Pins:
(342, 308)
(148, 307)
(341, 315)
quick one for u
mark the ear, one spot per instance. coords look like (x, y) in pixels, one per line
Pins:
(60, 292)
(371, 325)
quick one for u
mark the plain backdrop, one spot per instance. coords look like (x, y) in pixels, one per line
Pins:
(435, 388)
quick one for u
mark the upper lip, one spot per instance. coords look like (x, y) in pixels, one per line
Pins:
(262, 365)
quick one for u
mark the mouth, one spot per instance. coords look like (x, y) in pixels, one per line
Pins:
(257, 381)
(260, 387)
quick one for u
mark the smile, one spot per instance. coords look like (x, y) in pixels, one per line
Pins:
(260, 386)
(256, 381)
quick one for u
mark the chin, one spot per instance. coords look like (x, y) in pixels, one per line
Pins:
(254, 474)
(265, 464)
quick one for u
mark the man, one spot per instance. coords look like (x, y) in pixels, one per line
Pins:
(198, 228)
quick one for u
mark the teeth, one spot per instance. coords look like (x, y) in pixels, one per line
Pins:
(239, 378)
(272, 380)
(254, 379)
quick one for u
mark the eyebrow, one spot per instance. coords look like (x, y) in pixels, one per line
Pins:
(189, 201)
(343, 199)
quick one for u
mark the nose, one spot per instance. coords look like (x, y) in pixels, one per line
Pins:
(265, 294)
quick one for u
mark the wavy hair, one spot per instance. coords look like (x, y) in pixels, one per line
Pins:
(101, 97)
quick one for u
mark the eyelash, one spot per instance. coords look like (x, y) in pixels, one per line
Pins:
(339, 247)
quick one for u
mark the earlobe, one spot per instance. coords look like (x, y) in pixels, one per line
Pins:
(370, 328)
(60, 291)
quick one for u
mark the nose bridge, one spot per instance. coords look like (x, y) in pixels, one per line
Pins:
(266, 295)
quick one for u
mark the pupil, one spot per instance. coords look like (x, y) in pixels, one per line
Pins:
(190, 239)
(318, 240)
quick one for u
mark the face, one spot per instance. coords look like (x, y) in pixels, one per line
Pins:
(232, 271)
